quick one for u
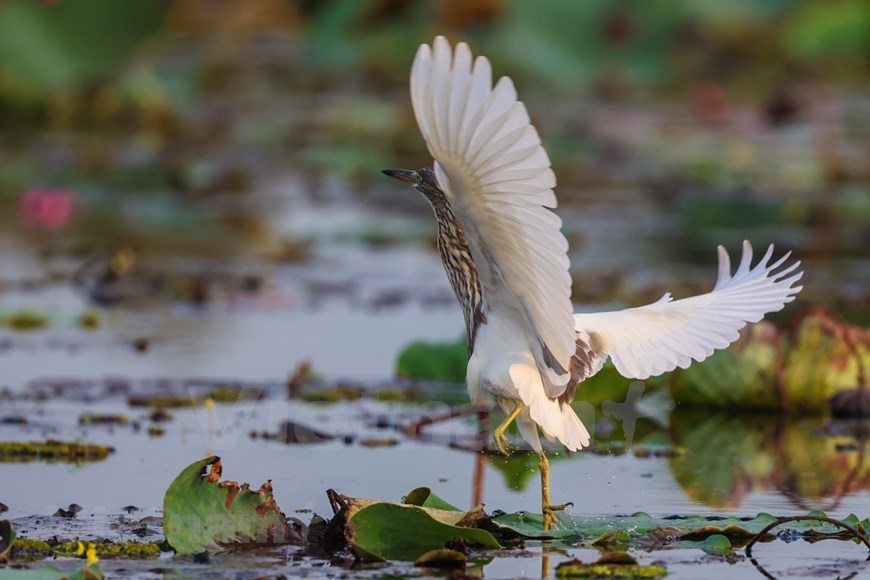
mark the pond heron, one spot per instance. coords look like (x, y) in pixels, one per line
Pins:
(491, 187)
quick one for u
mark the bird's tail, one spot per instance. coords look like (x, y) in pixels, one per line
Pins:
(556, 420)
(576, 436)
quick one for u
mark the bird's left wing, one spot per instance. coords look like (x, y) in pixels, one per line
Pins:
(659, 337)
(490, 163)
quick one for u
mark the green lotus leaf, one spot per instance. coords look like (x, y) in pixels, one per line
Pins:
(642, 530)
(434, 361)
(423, 497)
(200, 513)
(388, 531)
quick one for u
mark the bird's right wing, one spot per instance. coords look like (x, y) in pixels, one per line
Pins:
(659, 337)
(490, 164)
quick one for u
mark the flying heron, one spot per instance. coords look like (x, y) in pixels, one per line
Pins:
(491, 188)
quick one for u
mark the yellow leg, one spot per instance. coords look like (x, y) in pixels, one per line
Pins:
(501, 439)
(548, 510)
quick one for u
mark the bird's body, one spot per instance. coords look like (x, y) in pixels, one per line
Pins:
(491, 189)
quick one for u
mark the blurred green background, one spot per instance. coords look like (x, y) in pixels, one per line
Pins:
(174, 128)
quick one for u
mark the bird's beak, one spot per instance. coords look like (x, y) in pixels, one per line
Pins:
(406, 175)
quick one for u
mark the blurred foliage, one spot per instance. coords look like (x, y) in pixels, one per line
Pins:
(434, 361)
(798, 368)
(171, 123)
(45, 47)
(755, 455)
(742, 376)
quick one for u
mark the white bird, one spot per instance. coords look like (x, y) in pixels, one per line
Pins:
(491, 188)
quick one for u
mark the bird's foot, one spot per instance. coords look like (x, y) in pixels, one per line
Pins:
(550, 518)
(503, 443)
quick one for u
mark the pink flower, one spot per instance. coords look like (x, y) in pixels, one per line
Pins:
(46, 208)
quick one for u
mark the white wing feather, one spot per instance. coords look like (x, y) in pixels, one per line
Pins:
(659, 337)
(489, 161)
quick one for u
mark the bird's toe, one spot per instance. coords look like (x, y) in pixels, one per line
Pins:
(550, 517)
(503, 443)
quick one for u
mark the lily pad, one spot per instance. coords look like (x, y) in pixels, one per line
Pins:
(642, 530)
(423, 497)
(378, 530)
(387, 531)
(200, 513)
(717, 545)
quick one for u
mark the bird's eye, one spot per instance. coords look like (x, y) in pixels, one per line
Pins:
(418, 177)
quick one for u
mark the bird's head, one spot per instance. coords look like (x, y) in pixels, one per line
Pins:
(423, 180)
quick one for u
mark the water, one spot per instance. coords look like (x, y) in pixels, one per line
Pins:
(730, 465)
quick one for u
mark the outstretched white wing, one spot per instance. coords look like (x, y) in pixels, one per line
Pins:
(490, 163)
(657, 338)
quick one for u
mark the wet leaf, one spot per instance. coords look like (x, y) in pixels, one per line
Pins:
(423, 497)
(387, 531)
(717, 544)
(531, 525)
(639, 528)
(378, 530)
(200, 513)
(612, 540)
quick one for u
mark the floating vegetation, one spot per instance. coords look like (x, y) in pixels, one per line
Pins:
(202, 513)
(98, 419)
(52, 450)
(90, 320)
(340, 392)
(163, 401)
(610, 565)
(156, 431)
(372, 442)
(216, 394)
(108, 550)
(24, 320)
(377, 530)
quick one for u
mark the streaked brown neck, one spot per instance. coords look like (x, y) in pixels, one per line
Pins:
(456, 258)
